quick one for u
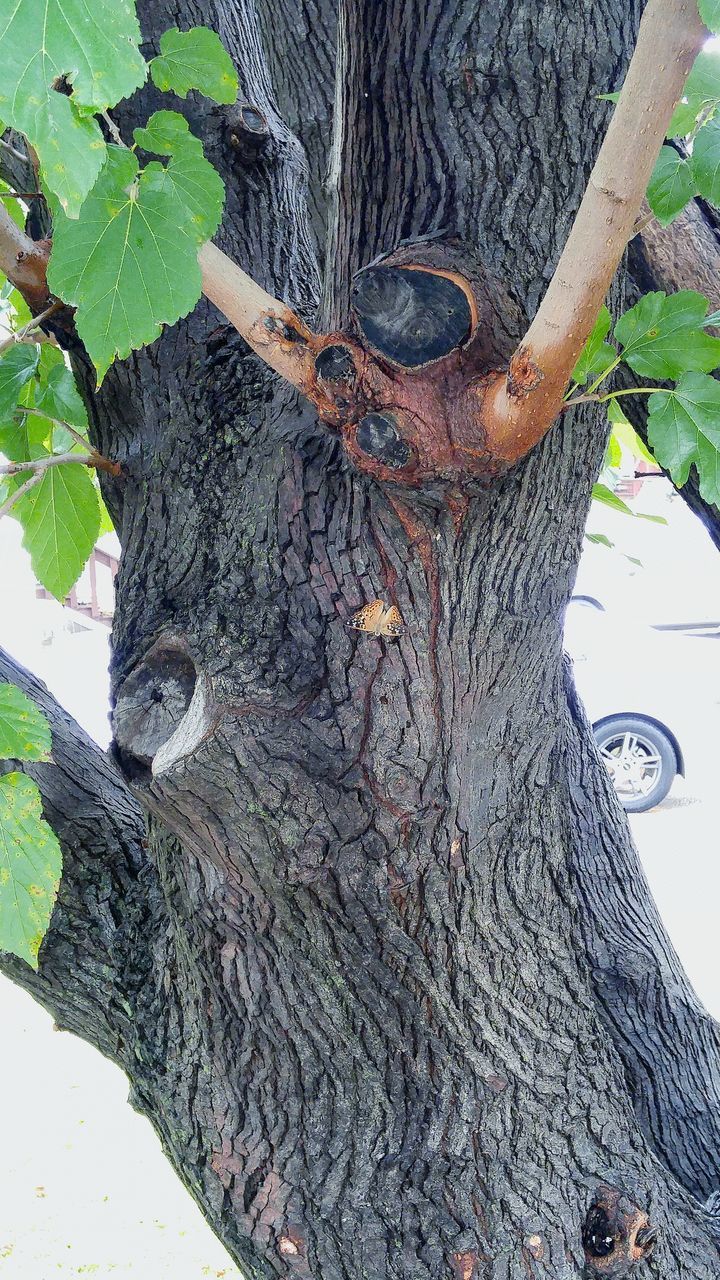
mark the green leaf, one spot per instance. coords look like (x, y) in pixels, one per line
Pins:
(597, 355)
(129, 262)
(24, 731)
(682, 121)
(671, 185)
(20, 311)
(712, 321)
(613, 452)
(58, 397)
(627, 437)
(106, 524)
(701, 94)
(60, 518)
(12, 206)
(17, 367)
(601, 493)
(24, 438)
(706, 161)
(94, 48)
(195, 59)
(600, 538)
(710, 13)
(663, 336)
(609, 97)
(684, 428)
(30, 868)
(189, 177)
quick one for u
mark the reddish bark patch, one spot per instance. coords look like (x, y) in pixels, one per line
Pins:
(524, 375)
(464, 1264)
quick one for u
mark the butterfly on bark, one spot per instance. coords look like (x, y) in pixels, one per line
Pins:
(378, 620)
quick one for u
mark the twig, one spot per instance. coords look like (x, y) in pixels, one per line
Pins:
(519, 410)
(20, 195)
(40, 465)
(31, 325)
(114, 131)
(13, 151)
(641, 224)
(610, 395)
(58, 422)
(32, 480)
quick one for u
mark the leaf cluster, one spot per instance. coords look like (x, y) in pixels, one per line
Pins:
(59, 507)
(663, 337)
(125, 234)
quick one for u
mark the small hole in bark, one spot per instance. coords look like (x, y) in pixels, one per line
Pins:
(378, 436)
(598, 1237)
(248, 131)
(335, 364)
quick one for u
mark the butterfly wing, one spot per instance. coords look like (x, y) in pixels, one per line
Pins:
(368, 618)
(392, 623)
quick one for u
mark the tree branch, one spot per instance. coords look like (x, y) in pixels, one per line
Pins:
(273, 331)
(20, 492)
(520, 409)
(29, 328)
(97, 922)
(24, 262)
(39, 465)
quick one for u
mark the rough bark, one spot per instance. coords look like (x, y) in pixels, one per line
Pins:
(406, 1009)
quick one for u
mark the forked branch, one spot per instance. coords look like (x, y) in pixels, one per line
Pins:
(422, 389)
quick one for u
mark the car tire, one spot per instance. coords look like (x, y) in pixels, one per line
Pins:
(649, 763)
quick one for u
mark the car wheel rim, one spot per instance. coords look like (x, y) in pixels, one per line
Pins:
(633, 764)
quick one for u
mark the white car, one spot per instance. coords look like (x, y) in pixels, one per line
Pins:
(653, 698)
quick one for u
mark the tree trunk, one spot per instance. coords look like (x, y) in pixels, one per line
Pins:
(385, 975)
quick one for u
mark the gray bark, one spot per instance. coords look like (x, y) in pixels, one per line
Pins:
(398, 1002)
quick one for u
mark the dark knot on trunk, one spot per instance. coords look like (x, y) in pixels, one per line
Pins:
(248, 131)
(161, 711)
(616, 1234)
(411, 316)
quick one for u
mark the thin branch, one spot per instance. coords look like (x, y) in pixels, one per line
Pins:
(103, 464)
(273, 331)
(114, 131)
(610, 395)
(642, 224)
(19, 195)
(31, 325)
(17, 494)
(12, 151)
(519, 410)
(40, 465)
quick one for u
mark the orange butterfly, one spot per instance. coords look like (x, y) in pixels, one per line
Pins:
(378, 620)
